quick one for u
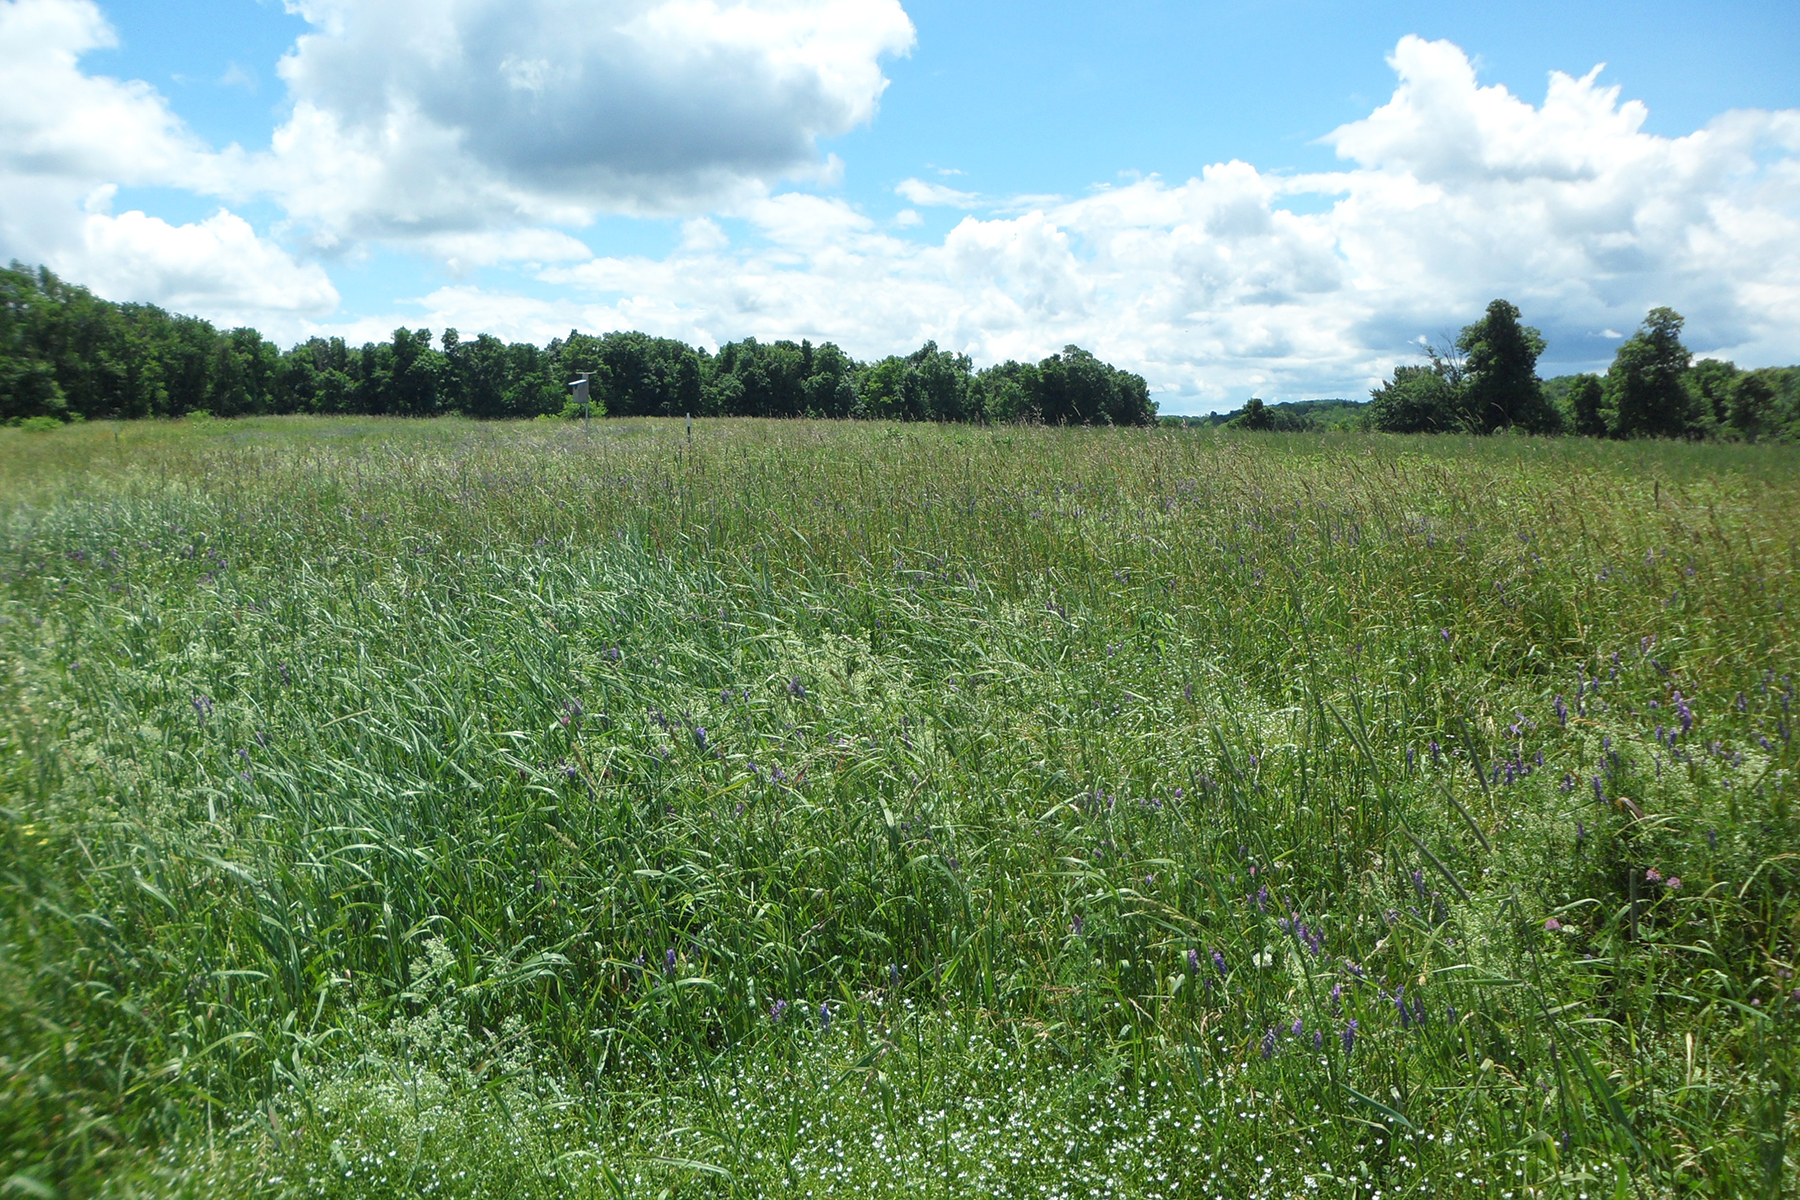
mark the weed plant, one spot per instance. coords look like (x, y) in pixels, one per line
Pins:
(433, 808)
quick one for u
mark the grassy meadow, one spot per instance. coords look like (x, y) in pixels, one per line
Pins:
(817, 809)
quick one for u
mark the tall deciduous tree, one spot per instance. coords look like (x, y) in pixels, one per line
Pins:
(1646, 386)
(1501, 388)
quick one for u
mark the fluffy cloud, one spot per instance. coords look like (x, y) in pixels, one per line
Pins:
(418, 117)
(68, 140)
(1453, 193)
(482, 135)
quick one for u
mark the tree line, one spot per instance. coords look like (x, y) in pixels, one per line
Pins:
(1486, 381)
(66, 354)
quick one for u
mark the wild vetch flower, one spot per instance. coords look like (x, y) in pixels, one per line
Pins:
(1562, 710)
(1580, 834)
(796, 689)
(1450, 1013)
(1712, 839)
(824, 1018)
(613, 654)
(1268, 1043)
(1299, 1026)
(203, 705)
(669, 960)
(1400, 1003)
(700, 736)
(778, 1010)
(1193, 961)
(1599, 791)
(1077, 924)
(1445, 634)
(1262, 899)
(1418, 878)
(1418, 1009)
(1349, 1036)
(1318, 1039)
(1337, 999)
(1685, 712)
(1219, 963)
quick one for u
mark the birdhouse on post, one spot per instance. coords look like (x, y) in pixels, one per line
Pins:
(580, 387)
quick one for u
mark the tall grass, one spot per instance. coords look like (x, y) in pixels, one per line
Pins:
(454, 809)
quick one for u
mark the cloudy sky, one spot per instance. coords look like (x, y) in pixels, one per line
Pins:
(1269, 197)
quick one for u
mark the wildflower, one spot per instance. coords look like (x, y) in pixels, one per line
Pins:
(778, 1010)
(824, 1018)
(700, 736)
(1400, 1004)
(1599, 791)
(1685, 712)
(1349, 1036)
(1562, 710)
(1653, 876)
(1337, 999)
(1712, 838)
(1445, 634)
(1551, 925)
(1418, 1009)
(1268, 1043)
(1318, 1039)
(613, 654)
(1674, 883)
(1299, 1026)
(1077, 924)
(1219, 963)
(1193, 961)
(669, 959)
(1580, 834)
(796, 689)
(203, 705)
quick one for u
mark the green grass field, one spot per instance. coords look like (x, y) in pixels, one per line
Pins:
(454, 809)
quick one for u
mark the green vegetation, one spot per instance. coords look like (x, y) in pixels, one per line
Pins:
(398, 808)
(1487, 382)
(65, 354)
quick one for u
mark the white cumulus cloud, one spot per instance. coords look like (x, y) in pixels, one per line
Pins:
(1453, 192)
(417, 117)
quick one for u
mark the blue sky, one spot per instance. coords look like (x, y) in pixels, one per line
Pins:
(1234, 199)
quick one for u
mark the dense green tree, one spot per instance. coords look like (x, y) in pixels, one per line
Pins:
(1501, 389)
(1646, 387)
(1750, 411)
(1587, 406)
(1418, 399)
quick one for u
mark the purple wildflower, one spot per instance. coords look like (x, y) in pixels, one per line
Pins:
(1551, 925)
(1193, 961)
(1674, 883)
(700, 736)
(778, 1010)
(1298, 1027)
(796, 689)
(1400, 1004)
(1685, 712)
(1445, 634)
(1337, 999)
(1318, 1039)
(824, 1017)
(1562, 710)
(1349, 1036)
(1219, 963)
(1268, 1043)
(669, 959)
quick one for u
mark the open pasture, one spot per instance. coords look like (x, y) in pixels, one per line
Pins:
(437, 808)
